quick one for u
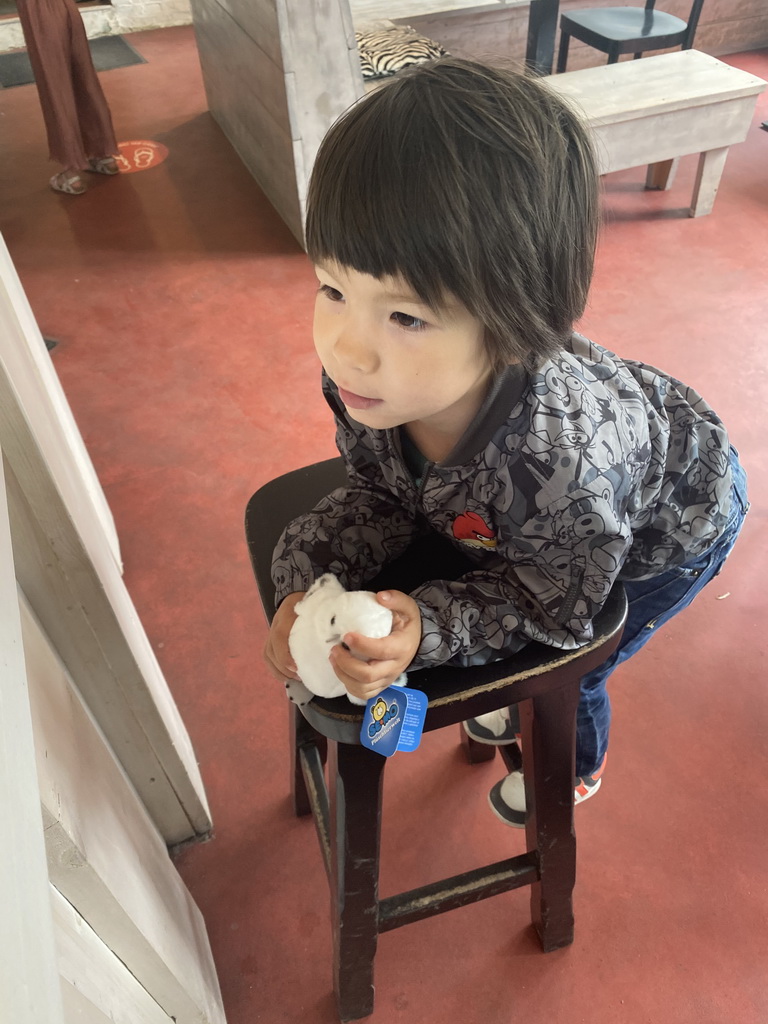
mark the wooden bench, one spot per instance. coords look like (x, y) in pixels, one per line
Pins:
(655, 110)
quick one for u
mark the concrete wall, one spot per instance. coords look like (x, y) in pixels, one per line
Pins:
(726, 26)
(112, 19)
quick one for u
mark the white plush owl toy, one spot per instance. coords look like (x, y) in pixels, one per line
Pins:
(324, 615)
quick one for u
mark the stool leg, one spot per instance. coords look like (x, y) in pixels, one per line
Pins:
(476, 752)
(302, 734)
(356, 775)
(511, 757)
(548, 725)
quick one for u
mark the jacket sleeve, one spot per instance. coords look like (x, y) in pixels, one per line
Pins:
(546, 582)
(353, 532)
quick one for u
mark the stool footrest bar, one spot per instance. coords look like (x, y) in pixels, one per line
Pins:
(314, 776)
(470, 887)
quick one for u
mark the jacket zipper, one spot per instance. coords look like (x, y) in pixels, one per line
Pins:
(428, 466)
(571, 596)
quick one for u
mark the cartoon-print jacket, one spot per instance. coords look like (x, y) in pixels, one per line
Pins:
(593, 468)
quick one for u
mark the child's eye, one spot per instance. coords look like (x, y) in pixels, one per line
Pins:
(331, 293)
(412, 323)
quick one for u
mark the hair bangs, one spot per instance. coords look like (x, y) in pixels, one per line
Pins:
(371, 205)
(466, 180)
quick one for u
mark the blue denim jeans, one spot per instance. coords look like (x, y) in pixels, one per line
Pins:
(652, 603)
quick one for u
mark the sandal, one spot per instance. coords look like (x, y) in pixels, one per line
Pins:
(68, 182)
(103, 165)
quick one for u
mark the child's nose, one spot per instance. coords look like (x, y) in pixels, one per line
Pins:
(354, 352)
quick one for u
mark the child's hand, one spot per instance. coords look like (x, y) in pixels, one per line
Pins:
(276, 653)
(385, 659)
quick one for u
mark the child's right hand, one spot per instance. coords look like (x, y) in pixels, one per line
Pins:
(277, 653)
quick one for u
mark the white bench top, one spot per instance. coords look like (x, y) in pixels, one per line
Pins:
(670, 81)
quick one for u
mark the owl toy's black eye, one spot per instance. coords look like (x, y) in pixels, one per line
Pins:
(333, 621)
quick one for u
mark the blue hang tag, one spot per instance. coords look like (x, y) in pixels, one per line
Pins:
(393, 720)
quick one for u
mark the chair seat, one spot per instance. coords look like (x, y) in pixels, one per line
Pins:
(621, 24)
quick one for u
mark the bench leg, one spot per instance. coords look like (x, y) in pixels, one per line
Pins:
(356, 775)
(662, 175)
(302, 734)
(548, 724)
(708, 176)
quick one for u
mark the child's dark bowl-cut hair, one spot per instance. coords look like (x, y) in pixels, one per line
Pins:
(469, 179)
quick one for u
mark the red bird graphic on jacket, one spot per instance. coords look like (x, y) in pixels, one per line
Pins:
(470, 528)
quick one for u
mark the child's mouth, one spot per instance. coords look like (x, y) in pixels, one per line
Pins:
(353, 401)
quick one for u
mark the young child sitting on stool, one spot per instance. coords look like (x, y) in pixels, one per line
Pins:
(452, 220)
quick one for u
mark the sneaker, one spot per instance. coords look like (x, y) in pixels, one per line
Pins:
(494, 728)
(507, 798)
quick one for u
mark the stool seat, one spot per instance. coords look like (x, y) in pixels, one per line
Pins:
(456, 694)
(346, 807)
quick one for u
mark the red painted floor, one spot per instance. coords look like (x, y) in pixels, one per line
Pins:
(182, 305)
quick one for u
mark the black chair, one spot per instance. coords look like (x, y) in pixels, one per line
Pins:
(544, 681)
(618, 30)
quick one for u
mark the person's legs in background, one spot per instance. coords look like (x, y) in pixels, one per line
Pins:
(77, 119)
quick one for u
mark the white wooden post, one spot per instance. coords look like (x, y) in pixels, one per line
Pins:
(66, 563)
(23, 351)
(29, 979)
(105, 856)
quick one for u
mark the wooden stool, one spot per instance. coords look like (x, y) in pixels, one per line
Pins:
(347, 811)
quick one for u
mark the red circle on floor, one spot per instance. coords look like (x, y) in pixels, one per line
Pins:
(140, 156)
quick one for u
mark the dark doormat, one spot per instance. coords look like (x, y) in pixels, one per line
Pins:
(108, 52)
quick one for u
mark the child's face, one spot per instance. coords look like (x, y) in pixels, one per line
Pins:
(395, 360)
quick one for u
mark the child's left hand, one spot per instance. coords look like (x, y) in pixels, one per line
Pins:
(385, 659)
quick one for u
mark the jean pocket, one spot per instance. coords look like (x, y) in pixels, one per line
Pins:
(686, 572)
(679, 585)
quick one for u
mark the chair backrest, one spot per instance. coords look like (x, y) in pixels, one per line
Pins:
(693, 20)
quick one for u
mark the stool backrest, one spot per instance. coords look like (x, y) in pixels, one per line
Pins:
(274, 505)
